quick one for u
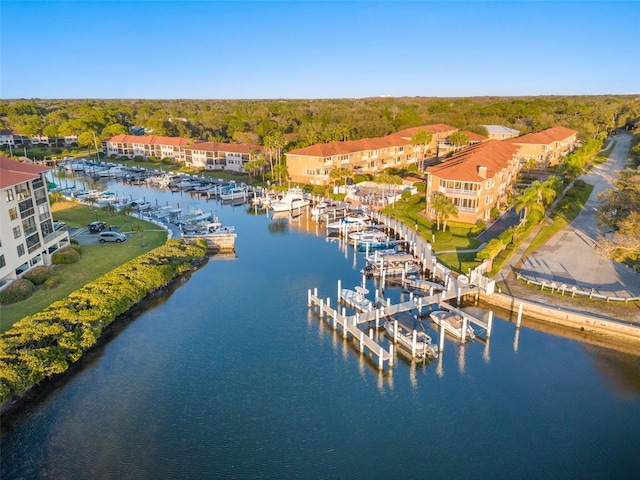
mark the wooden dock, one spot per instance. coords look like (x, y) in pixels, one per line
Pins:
(216, 242)
(349, 328)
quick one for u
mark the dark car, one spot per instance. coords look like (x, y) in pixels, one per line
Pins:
(95, 227)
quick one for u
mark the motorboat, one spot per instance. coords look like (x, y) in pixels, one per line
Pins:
(453, 323)
(415, 341)
(356, 299)
(233, 193)
(355, 220)
(371, 239)
(294, 199)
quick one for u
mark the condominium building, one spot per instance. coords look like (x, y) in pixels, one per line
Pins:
(476, 179)
(27, 236)
(547, 147)
(220, 156)
(146, 146)
(500, 132)
(313, 164)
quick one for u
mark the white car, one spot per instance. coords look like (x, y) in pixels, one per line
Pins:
(111, 237)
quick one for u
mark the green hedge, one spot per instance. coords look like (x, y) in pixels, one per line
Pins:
(19, 290)
(46, 343)
(38, 275)
(65, 256)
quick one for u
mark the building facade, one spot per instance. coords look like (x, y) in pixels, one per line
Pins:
(27, 236)
(545, 148)
(146, 146)
(476, 179)
(220, 156)
(313, 165)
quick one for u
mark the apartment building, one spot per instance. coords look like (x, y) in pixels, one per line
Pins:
(476, 179)
(13, 138)
(220, 156)
(146, 146)
(27, 236)
(546, 147)
(313, 164)
(500, 132)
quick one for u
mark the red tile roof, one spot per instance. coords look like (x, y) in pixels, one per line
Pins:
(397, 139)
(152, 140)
(225, 147)
(544, 137)
(474, 137)
(495, 155)
(13, 173)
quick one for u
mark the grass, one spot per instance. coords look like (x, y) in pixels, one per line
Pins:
(96, 260)
(462, 238)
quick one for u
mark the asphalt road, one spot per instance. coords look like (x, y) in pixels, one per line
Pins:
(571, 257)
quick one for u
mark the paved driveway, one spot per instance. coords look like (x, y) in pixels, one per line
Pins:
(571, 257)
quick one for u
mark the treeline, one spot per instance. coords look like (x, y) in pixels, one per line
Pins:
(47, 343)
(306, 122)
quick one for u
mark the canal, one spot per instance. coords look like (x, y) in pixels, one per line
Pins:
(230, 375)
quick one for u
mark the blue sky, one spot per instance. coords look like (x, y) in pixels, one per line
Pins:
(298, 49)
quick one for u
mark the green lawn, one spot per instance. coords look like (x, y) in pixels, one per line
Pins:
(461, 237)
(96, 259)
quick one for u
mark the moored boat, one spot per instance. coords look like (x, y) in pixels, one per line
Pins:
(294, 199)
(417, 342)
(356, 299)
(453, 323)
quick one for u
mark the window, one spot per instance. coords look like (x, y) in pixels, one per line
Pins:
(17, 232)
(29, 226)
(46, 227)
(40, 196)
(43, 212)
(488, 199)
(26, 208)
(20, 249)
(13, 213)
(22, 191)
(490, 183)
(8, 195)
(2, 262)
(33, 242)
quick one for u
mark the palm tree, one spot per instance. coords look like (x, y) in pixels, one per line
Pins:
(528, 201)
(544, 193)
(421, 138)
(444, 209)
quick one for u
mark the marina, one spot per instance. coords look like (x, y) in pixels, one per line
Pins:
(209, 381)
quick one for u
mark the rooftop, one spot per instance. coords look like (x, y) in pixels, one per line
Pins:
(13, 173)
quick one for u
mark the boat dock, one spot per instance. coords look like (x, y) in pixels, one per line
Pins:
(349, 327)
(216, 242)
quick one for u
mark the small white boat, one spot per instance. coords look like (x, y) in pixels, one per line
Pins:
(371, 239)
(234, 193)
(354, 221)
(411, 340)
(356, 299)
(452, 322)
(294, 199)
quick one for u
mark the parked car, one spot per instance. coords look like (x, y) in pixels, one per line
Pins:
(59, 225)
(112, 237)
(95, 227)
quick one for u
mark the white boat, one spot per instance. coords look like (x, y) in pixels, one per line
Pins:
(354, 221)
(371, 239)
(294, 199)
(234, 193)
(406, 338)
(452, 322)
(356, 299)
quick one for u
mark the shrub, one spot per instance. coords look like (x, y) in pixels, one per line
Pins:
(507, 236)
(166, 161)
(65, 256)
(579, 184)
(19, 290)
(493, 248)
(481, 225)
(38, 275)
(52, 282)
(73, 242)
(138, 158)
(495, 213)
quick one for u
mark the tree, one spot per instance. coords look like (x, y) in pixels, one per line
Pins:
(624, 244)
(528, 201)
(421, 139)
(444, 209)
(618, 203)
(458, 139)
(543, 192)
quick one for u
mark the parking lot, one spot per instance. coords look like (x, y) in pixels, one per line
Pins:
(85, 237)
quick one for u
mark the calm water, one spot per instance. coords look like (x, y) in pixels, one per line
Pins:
(230, 376)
